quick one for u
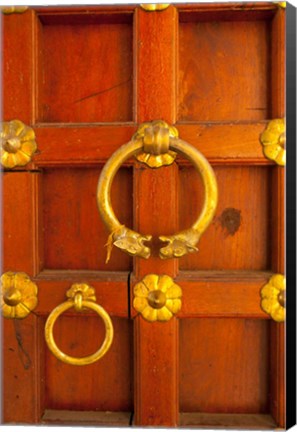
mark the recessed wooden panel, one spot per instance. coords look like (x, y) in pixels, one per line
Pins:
(101, 386)
(86, 72)
(74, 235)
(224, 71)
(238, 237)
(224, 365)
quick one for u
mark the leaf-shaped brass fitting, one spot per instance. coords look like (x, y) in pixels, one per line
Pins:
(156, 136)
(17, 144)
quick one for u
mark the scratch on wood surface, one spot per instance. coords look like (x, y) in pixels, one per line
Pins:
(23, 354)
(102, 91)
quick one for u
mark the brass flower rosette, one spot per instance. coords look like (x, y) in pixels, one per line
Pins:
(273, 297)
(18, 144)
(157, 298)
(156, 144)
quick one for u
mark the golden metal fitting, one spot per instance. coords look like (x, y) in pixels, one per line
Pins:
(131, 241)
(7, 10)
(156, 136)
(151, 7)
(281, 4)
(18, 295)
(80, 296)
(273, 140)
(17, 144)
(273, 297)
(157, 298)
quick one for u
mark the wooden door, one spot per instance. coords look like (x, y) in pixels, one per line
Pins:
(84, 79)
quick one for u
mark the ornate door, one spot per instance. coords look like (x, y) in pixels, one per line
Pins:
(184, 337)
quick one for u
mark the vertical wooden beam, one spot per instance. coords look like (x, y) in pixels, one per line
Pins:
(21, 243)
(18, 67)
(277, 335)
(156, 348)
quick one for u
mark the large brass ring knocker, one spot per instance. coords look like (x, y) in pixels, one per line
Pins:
(155, 144)
(80, 296)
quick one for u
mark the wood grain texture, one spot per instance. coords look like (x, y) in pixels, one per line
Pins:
(223, 298)
(224, 366)
(18, 72)
(222, 143)
(89, 418)
(155, 50)
(74, 235)
(103, 386)
(239, 229)
(21, 227)
(156, 354)
(77, 66)
(20, 371)
(230, 421)
(156, 346)
(224, 71)
(278, 76)
(73, 52)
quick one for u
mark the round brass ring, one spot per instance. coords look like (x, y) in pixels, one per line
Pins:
(78, 361)
(131, 241)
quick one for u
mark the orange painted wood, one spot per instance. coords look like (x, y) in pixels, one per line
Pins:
(20, 359)
(228, 421)
(239, 9)
(156, 355)
(72, 52)
(103, 386)
(277, 367)
(239, 229)
(68, 417)
(74, 235)
(232, 358)
(213, 85)
(225, 143)
(155, 50)
(225, 297)
(157, 214)
(18, 66)
(93, 144)
(87, 12)
(278, 77)
(21, 228)
(156, 369)
(82, 144)
(227, 371)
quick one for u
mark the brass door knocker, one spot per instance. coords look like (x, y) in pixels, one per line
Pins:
(156, 144)
(80, 297)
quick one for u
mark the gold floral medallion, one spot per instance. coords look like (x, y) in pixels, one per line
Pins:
(157, 298)
(273, 297)
(17, 144)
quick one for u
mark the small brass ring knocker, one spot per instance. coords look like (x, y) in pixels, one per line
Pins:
(78, 301)
(157, 133)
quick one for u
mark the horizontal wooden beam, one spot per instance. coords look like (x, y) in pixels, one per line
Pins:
(220, 143)
(220, 294)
